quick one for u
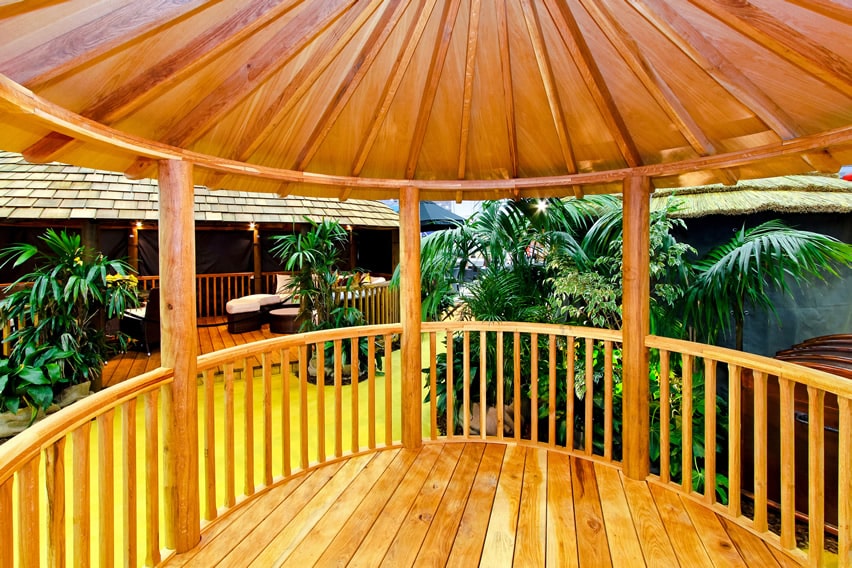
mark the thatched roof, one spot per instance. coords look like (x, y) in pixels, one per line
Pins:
(784, 194)
(463, 99)
(52, 192)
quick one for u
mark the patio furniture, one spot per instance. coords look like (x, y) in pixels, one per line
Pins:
(284, 320)
(143, 323)
(244, 314)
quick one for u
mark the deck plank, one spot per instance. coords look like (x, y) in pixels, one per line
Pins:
(404, 548)
(717, 542)
(682, 534)
(308, 552)
(753, 550)
(561, 531)
(439, 540)
(499, 545)
(623, 540)
(532, 514)
(656, 547)
(591, 530)
(290, 535)
(470, 537)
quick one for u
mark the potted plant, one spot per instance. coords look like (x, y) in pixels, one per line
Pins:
(58, 308)
(313, 257)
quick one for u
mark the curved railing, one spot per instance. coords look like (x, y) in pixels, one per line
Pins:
(87, 483)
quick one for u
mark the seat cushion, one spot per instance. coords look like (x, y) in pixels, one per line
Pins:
(250, 303)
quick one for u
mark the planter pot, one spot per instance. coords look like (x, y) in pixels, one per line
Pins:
(15, 423)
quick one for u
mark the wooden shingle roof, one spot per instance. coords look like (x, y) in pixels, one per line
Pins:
(58, 192)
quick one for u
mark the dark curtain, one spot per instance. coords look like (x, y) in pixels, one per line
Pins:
(216, 252)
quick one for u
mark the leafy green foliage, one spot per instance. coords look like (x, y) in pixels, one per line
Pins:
(60, 340)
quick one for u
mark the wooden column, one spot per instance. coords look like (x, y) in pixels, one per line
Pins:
(133, 248)
(412, 386)
(255, 247)
(89, 235)
(178, 351)
(636, 325)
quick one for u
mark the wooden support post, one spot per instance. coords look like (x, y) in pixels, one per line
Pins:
(412, 387)
(179, 351)
(636, 326)
(133, 248)
(256, 266)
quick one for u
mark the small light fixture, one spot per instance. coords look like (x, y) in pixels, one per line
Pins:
(138, 224)
(349, 228)
(541, 205)
(252, 226)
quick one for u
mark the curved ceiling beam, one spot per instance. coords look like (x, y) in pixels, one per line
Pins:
(469, 73)
(506, 71)
(15, 100)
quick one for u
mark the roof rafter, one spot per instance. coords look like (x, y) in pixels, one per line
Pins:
(576, 44)
(412, 38)
(384, 27)
(657, 87)
(469, 71)
(782, 40)
(285, 44)
(436, 66)
(127, 97)
(546, 71)
(508, 94)
(93, 39)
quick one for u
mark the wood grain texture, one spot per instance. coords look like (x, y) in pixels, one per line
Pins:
(412, 383)
(591, 528)
(624, 545)
(656, 548)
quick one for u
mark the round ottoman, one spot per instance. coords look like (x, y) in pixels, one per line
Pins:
(283, 320)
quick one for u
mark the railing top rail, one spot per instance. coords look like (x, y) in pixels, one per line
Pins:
(218, 358)
(26, 445)
(782, 369)
(523, 327)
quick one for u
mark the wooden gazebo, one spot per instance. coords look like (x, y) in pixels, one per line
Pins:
(426, 99)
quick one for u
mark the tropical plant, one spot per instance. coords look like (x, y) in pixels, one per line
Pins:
(59, 307)
(743, 270)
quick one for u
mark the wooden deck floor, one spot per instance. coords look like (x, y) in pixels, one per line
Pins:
(212, 336)
(472, 504)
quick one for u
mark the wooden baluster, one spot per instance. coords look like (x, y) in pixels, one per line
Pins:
(570, 357)
(285, 412)
(106, 489)
(319, 348)
(665, 417)
(534, 387)
(152, 479)
(451, 424)
(55, 482)
(433, 386)
(338, 398)
(266, 365)
(466, 384)
(844, 483)
(230, 459)
(761, 427)
(28, 508)
(303, 406)
(209, 446)
(709, 430)
(355, 352)
(788, 464)
(589, 431)
(248, 429)
(7, 331)
(734, 439)
(516, 383)
(371, 392)
(82, 496)
(128, 439)
(389, 390)
(500, 386)
(551, 394)
(608, 400)
(7, 538)
(483, 373)
(816, 475)
(686, 425)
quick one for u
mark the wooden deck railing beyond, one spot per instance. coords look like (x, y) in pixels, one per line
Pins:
(85, 485)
